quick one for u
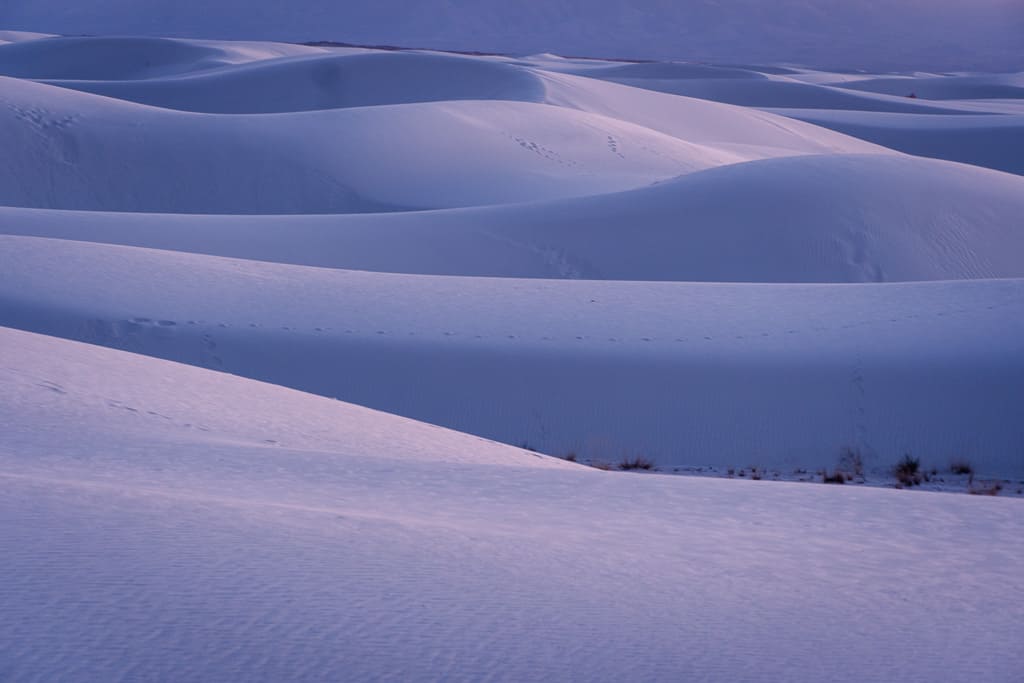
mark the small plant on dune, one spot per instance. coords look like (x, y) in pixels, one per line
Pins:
(836, 477)
(571, 456)
(636, 463)
(601, 465)
(961, 467)
(851, 465)
(908, 471)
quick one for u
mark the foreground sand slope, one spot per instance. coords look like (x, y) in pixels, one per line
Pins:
(163, 521)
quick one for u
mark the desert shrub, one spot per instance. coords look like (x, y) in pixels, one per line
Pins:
(637, 463)
(961, 467)
(836, 477)
(908, 471)
(571, 456)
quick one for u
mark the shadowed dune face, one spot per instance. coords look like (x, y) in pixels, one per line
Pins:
(326, 81)
(988, 140)
(975, 87)
(80, 58)
(685, 373)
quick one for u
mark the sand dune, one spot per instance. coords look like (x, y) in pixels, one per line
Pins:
(19, 36)
(129, 58)
(427, 165)
(605, 369)
(161, 521)
(73, 150)
(825, 218)
(522, 249)
(775, 93)
(327, 81)
(954, 87)
(989, 140)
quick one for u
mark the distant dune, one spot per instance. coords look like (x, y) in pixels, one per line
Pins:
(908, 34)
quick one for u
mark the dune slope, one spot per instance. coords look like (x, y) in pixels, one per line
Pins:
(988, 140)
(325, 80)
(820, 218)
(604, 369)
(75, 150)
(280, 535)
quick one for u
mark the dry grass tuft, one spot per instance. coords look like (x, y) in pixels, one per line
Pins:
(636, 463)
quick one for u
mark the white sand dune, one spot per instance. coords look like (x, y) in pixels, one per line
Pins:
(131, 58)
(166, 522)
(753, 132)
(782, 93)
(73, 150)
(972, 119)
(109, 396)
(573, 177)
(19, 36)
(662, 71)
(818, 218)
(943, 87)
(327, 81)
(605, 369)
(523, 250)
(989, 140)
